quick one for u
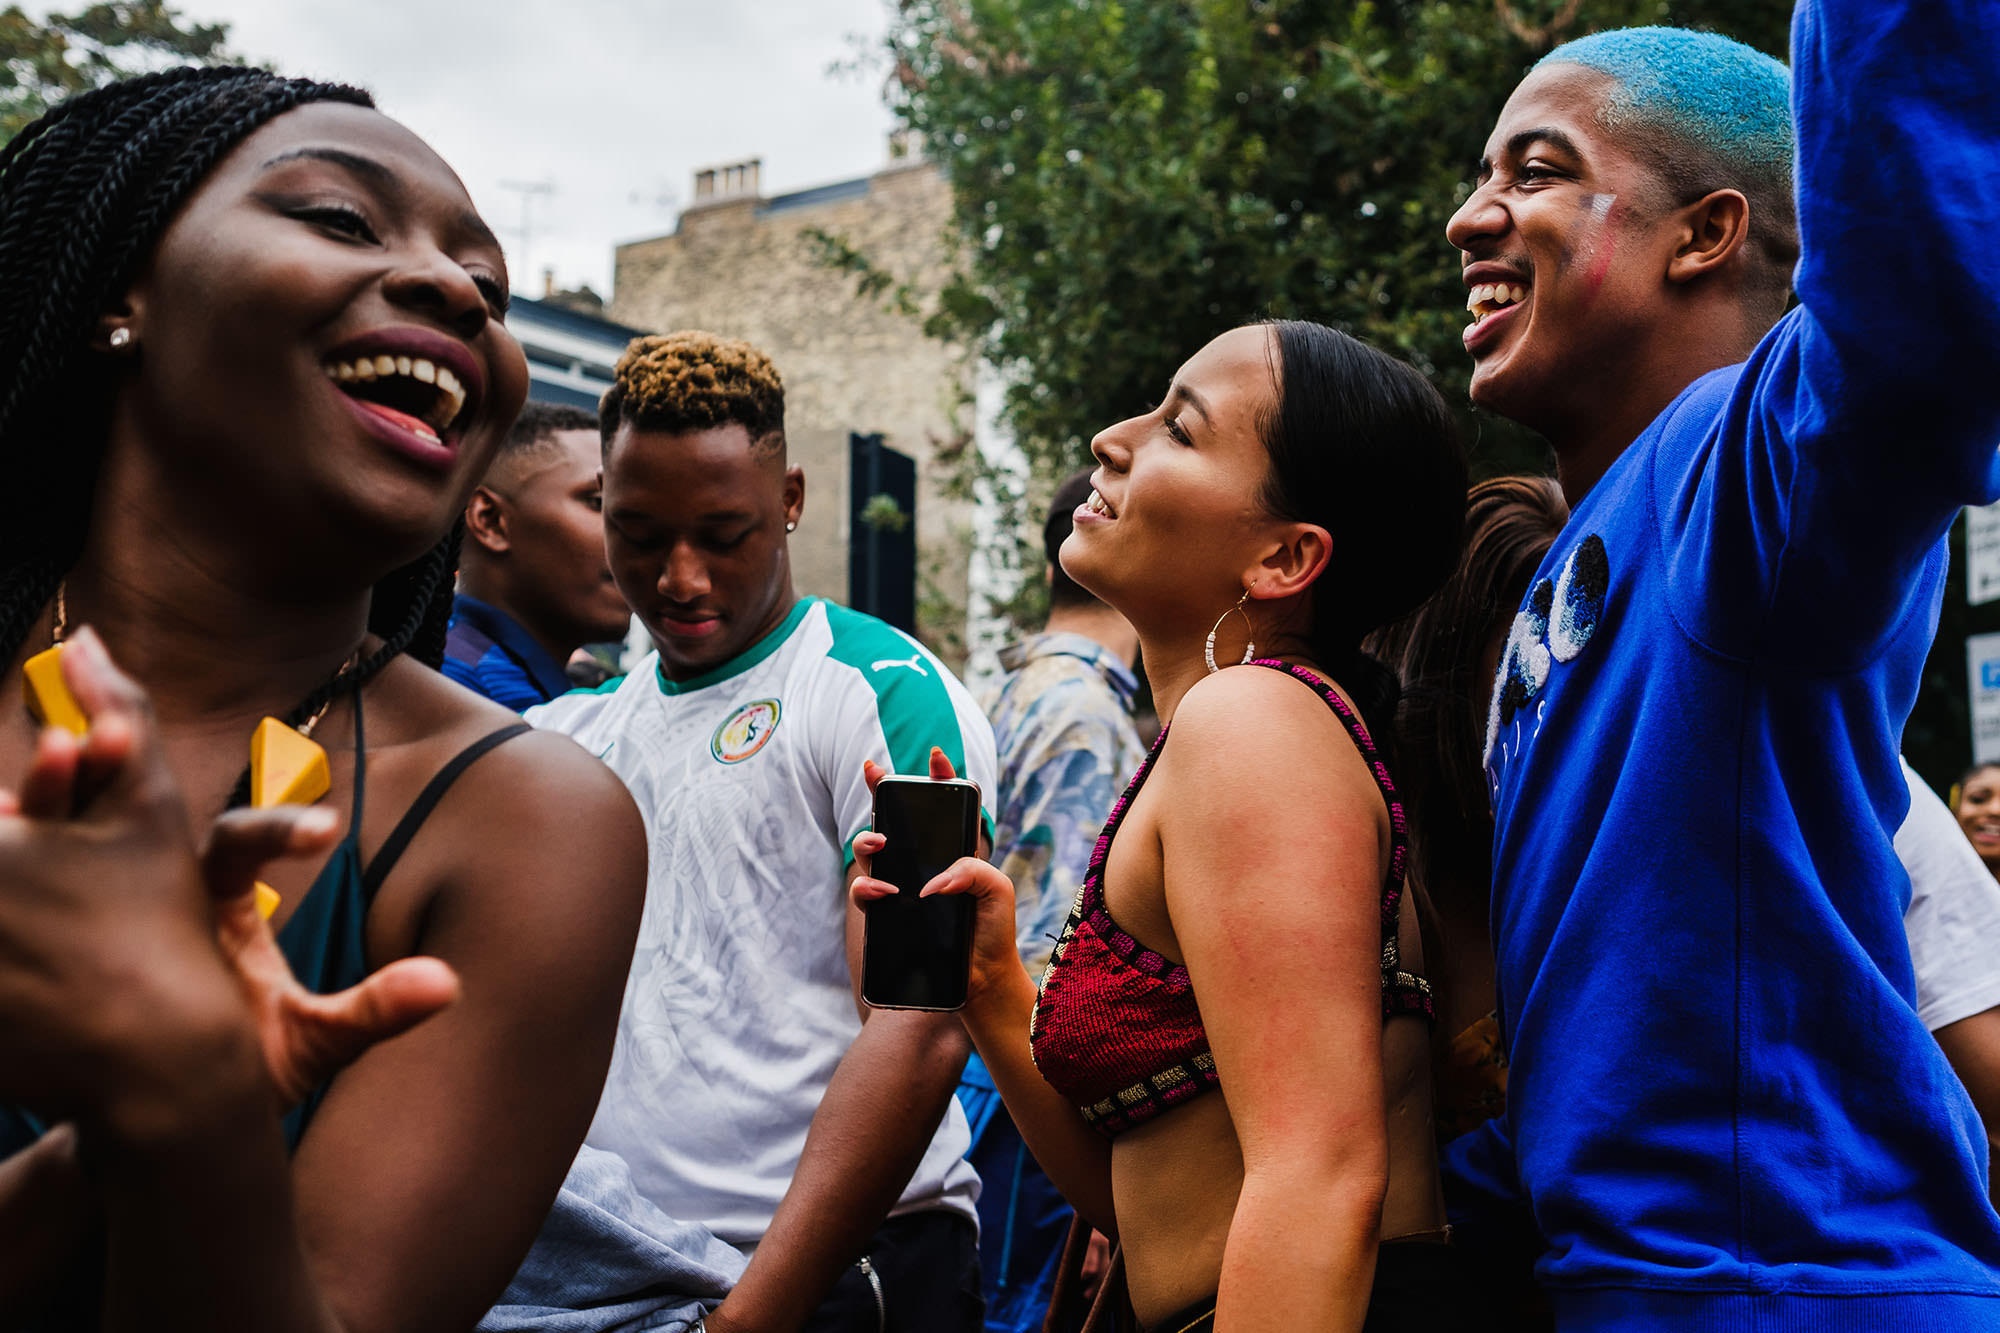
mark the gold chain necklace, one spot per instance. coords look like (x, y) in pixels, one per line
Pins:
(305, 728)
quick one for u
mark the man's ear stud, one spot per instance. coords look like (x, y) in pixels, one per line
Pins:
(121, 337)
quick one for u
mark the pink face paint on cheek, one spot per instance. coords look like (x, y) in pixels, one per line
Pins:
(1606, 207)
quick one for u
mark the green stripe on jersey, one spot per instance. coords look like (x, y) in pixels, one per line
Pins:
(609, 686)
(743, 661)
(911, 702)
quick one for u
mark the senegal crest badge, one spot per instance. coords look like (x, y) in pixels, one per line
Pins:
(744, 731)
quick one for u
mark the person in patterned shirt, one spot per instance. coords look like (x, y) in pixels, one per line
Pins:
(1062, 725)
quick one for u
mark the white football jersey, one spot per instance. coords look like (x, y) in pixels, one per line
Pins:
(739, 1005)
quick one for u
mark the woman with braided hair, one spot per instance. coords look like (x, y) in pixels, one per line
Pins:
(252, 360)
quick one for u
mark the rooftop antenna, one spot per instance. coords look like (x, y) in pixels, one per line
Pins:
(529, 192)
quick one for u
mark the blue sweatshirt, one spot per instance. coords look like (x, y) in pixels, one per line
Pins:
(1723, 1111)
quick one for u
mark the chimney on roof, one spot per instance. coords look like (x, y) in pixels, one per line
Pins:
(732, 180)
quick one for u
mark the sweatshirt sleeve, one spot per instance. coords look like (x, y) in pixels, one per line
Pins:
(1872, 412)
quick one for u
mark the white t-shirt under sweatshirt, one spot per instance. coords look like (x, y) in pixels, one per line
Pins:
(739, 1006)
(1953, 919)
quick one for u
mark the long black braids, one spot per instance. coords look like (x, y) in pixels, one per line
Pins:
(85, 193)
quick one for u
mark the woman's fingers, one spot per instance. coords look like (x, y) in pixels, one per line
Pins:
(968, 874)
(242, 842)
(867, 890)
(48, 791)
(866, 845)
(122, 748)
(940, 765)
(333, 1031)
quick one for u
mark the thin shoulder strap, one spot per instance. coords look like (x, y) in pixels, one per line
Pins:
(360, 772)
(1403, 992)
(398, 842)
(1357, 731)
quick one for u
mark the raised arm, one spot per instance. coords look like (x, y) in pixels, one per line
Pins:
(1870, 412)
(1276, 906)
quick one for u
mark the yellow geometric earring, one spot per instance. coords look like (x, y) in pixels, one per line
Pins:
(287, 767)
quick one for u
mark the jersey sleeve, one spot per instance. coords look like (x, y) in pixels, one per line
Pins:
(574, 714)
(895, 704)
(1868, 416)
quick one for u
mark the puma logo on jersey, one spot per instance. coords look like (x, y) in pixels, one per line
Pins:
(914, 662)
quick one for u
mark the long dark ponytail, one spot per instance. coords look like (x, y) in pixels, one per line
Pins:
(1362, 445)
(85, 193)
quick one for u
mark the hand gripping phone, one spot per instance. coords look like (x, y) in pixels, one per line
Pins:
(916, 953)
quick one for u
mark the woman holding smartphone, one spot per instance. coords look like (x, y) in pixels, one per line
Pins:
(252, 360)
(1244, 925)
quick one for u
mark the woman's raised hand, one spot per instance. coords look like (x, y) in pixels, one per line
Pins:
(115, 999)
(993, 948)
(306, 1038)
(132, 934)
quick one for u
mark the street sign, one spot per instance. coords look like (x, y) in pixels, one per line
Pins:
(1982, 665)
(1982, 554)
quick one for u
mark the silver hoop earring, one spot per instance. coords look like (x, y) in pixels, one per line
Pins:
(121, 337)
(1249, 647)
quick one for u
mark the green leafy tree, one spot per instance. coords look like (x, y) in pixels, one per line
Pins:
(1133, 176)
(43, 61)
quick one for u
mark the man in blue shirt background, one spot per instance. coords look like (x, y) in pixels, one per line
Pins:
(533, 583)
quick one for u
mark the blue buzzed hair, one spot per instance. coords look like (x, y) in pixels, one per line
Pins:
(1711, 114)
(1697, 85)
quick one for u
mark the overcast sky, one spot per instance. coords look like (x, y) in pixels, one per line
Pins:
(614, 102)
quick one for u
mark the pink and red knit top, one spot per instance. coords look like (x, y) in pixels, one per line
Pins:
(1117, 1029)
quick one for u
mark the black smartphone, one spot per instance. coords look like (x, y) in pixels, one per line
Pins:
(916, 953)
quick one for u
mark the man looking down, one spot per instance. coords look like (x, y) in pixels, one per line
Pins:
(750, 1092)
(1723, 1110)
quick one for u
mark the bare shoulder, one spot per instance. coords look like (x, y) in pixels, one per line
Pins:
(1252, 709)
(418, 703)
(532, 812)
(1263, 725)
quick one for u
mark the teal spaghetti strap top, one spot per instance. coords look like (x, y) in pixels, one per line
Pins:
(325, 941)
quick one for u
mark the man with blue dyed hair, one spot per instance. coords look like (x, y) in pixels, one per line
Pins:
(1723, 1110)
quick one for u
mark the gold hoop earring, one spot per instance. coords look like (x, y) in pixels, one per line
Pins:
(1249, 646)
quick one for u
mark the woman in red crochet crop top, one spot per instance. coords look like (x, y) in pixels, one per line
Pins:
(1243, 926)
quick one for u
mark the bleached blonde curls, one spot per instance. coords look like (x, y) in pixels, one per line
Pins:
(692, 380)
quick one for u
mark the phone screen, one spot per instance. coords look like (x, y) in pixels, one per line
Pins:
(917, 952)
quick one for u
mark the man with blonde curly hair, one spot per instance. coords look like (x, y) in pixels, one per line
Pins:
(751, 1092)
